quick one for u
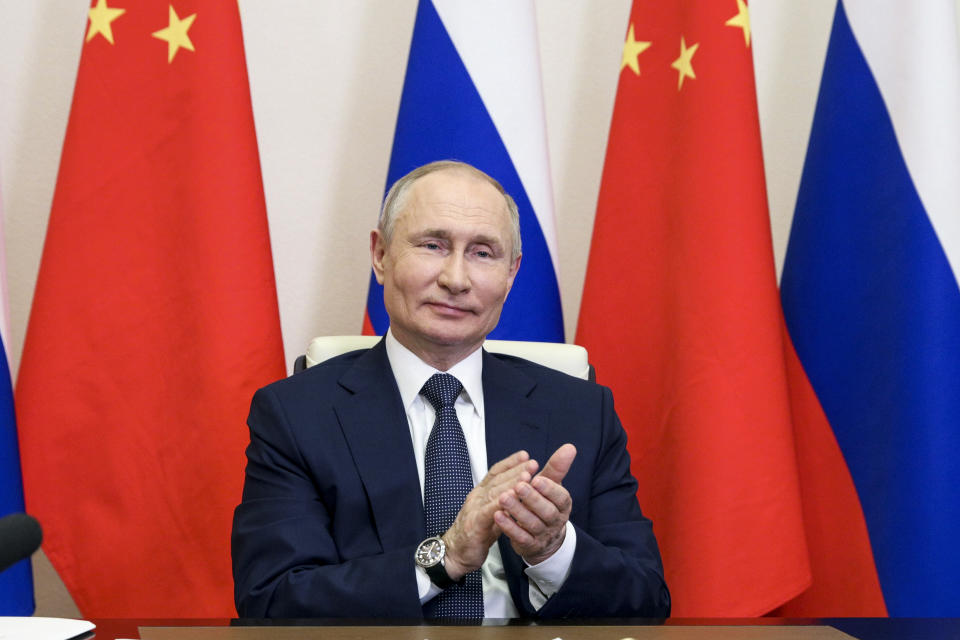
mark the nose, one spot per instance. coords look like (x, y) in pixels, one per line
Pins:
(453, 276)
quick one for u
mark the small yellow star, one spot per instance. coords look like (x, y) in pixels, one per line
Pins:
(631, 52)
(683, 64)
(742, 20)
(100, 18)
(176, 34)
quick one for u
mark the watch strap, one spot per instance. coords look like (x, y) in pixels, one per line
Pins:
(438, 575)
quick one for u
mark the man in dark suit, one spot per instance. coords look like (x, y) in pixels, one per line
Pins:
(367, 489)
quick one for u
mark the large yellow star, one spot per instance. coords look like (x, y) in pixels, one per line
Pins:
(631, 52)
(176, 34)
(684, 64)
(741, 20)
(100, 18)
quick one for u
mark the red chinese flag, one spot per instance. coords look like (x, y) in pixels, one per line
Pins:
(681, 315)
(154, 318)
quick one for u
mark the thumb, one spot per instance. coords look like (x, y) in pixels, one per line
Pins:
(559, 463)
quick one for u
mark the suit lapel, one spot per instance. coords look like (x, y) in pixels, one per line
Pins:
(375, 426)
(513, 422)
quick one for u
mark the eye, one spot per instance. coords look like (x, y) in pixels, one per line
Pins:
(483, 251)
(433, 246)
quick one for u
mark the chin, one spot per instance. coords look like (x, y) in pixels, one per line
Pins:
(451, 340)
(452, 336)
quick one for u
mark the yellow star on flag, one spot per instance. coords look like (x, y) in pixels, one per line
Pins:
(100, 18)
(683, 64)
(631, 52)
(176, 34)
(741, 20)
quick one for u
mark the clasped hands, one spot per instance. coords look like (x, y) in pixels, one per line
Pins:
(532, 511)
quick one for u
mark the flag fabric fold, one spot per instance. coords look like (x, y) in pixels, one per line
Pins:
(472, 92)
(681, 317)
(16, 583)
(871, 300)
(154, 317)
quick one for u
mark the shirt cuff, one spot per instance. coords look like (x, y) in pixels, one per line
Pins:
(547, 577)
(425, 587)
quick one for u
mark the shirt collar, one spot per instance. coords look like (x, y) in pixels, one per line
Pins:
(411, 373)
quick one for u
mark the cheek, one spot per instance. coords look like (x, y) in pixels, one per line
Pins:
(410, 276)
(495, 288)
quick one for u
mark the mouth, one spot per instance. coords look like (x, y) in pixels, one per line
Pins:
(448, 310)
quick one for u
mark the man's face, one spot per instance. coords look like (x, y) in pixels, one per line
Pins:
(447, 269)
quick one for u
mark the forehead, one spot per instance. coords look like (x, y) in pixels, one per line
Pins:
(454, 197)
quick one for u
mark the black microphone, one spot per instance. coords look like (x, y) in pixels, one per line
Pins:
(20, 536)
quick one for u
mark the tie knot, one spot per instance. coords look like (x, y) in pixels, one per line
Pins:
(441, 390)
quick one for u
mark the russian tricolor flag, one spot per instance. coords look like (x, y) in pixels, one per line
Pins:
(472, 93)
(872, 304)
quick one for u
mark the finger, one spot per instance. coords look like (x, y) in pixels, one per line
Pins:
(559, 463)
(518, 536)
(497, 482)
(551, 509)
(494, 483)
(522, 514)
(512, 460)
(485, 497)
(552, 492)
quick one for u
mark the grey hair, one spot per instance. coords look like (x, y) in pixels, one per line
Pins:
(397, 196)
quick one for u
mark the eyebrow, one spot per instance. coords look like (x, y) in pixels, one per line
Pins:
(443, 234)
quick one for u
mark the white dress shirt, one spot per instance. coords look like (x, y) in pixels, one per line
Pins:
(411, 373)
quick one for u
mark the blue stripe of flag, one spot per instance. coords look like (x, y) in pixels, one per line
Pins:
(16, 583)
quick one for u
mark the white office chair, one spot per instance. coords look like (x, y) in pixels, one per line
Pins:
(568, 358)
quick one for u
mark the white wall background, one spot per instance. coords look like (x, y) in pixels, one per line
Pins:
(326, 77)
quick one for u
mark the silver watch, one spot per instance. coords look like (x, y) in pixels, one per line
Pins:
(430, 555)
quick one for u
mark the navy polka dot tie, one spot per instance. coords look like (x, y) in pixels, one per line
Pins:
(447, 480)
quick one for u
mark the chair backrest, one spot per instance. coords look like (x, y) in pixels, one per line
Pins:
(568, 358)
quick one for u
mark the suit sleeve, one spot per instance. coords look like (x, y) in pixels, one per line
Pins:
(616, 569)
(286, 562)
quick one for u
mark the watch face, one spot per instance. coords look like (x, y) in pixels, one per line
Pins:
(429, 552)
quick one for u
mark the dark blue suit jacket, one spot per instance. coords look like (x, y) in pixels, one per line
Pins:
(332, 508)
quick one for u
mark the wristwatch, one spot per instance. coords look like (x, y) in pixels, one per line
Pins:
(429, 555)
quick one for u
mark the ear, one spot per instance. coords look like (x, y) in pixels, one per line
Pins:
(378, 249)
(512, 274)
